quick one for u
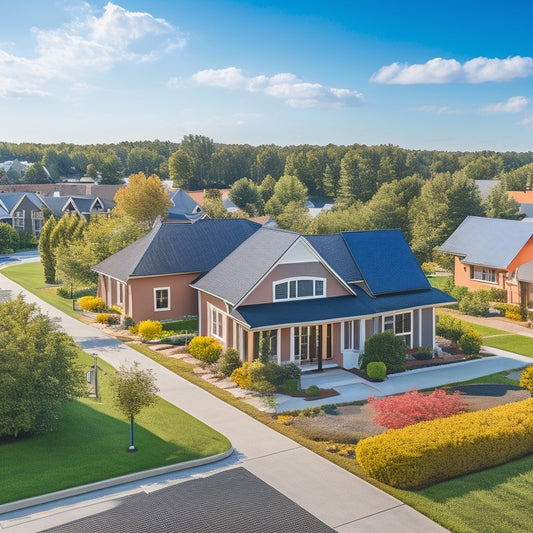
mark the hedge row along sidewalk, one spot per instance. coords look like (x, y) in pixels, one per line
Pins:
(429, 452)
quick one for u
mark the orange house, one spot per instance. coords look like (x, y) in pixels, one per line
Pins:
(493, 252)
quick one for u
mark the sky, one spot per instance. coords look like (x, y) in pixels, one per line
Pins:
(451, 75)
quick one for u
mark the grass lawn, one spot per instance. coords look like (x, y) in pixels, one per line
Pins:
(439, 282)
(92, 440)
(190, 324)
(31, 277)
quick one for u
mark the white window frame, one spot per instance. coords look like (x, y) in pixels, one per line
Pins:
(37, 222)
(288, 281)
(18, 220)
(483, 274)
(217, 322)
(402, 334)
(156, 309)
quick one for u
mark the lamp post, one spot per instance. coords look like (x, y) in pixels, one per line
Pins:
(95, 375)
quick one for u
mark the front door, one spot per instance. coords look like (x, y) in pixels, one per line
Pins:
(307, 343)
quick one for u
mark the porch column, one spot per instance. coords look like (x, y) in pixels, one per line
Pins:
(342, 336)
(433, 327)
(292, 346)
(420, 327)
(362, 335)
(250, 345)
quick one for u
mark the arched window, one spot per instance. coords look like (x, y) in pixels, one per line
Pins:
(299, 288)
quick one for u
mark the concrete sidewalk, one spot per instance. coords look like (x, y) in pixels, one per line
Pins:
(333, 495)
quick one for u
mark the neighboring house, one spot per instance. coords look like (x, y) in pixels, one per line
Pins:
(486, 186)
(184, 208)
(22, 210)
(198, 197)
(525, 199)
(15, 169)
(317, 298)
(84, 206)
(150, 279)
(492, 252)
(315, 206)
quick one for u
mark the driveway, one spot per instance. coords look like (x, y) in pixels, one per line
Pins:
(337, 498)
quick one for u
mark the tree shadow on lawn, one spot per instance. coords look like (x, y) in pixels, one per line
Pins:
(484, 480)
(88, 446)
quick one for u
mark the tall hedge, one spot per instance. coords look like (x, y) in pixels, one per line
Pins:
(387, 348)
(428, 452)
(47, 252)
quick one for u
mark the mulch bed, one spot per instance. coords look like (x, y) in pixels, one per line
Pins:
(324, 393)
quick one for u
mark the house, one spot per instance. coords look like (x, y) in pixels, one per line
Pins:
(491, 252)
(22, 210)
(183, 207)
(84, 206)
(317, 298)
(150, 279)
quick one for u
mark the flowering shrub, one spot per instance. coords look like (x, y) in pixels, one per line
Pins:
(429, 452)
(449, 328)
(399, 411)
(94, 304)
(102, 318)
(206, 349)
(150, 329)
(470, 343)
(526, 379)
(285, 420)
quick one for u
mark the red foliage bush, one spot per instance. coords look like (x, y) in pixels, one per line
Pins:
(396, 412)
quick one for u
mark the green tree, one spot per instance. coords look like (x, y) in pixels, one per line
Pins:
(35, 174)
(246, 195)
(91, 171)
(134, 389)
(267, 188)
(79, 161)
(213, 204)
(294, 217)
(500, 205)
(38, 371)
(142, 200)
(200, 148)
(111, 169)
(484, 168)
(46, 250)
(143, 160)
(51, 162)
(9, 239)
(180, 167)
(288, 189)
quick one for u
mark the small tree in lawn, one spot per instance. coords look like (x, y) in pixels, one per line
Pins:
(135, 389)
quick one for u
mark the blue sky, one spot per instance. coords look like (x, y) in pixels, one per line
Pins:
(425, 75)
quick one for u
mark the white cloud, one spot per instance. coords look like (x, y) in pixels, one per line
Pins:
(528, 121)
(285, 86)
(89, 43)
(515, 104)
(439, 70)
(439, 110)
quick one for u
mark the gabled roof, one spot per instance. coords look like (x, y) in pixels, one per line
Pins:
(235, 277)
(178, 249)
(58, 205)
(385, 261)
(3, 213)
(492, 242)
(184, 207)
(319, 310)
(10, 200)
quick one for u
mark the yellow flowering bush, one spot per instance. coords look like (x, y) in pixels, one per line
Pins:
(206, 349)
(285, 420)
(93, 304)
(150, 329)
(429, 452)
(526, 379)
(102, 318)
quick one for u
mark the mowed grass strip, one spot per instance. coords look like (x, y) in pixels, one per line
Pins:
(92, 440)
(31, 277)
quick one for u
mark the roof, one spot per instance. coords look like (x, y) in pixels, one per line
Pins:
(522, 197)
(527, 209)
(333, 249)
(178, 248)
(318, 310)
(9, 200)
(525, 272)
(247, 264)
(182, 203)
(58, 204)
(385, 261)
(485, 186)
(492, 242)
(4, 213)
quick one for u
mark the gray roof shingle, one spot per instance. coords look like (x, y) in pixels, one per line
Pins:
(491, 242)
(178, 248)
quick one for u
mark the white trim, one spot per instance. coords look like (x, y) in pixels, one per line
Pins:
(199, 299)
(156, 309)
(224, 321)
(433, 329)
(362, 334)
(420, 327)
(403, 334)
(292, 346)
(297, 279)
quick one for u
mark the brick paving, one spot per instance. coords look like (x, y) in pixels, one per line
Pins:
(233, 501)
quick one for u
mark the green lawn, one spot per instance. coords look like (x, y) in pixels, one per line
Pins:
(91, 444)
(31, 277)
(439, 282)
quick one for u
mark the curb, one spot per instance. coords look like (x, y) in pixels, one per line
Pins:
(106, 483)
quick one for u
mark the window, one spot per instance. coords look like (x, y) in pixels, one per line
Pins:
(270, 341)
(400, 325)
(348, 335)
(217, 323)
(18, 220)
(120, 292)
(294, 289)
(162, 299)
(37, 222)
(483, 274)
(307, 343)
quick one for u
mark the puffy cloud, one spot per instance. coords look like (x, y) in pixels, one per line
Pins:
(515, 104)
(285, 86)
(439, 70)
(88, 43)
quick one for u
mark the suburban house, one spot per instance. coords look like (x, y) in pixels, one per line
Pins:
(525, 199)
(183, 207)
(317, 298)
(22, 211)
(492, 252)
(84, 206)
(150, 279)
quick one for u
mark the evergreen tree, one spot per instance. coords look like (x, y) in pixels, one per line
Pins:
(46, 250)
(500, 205)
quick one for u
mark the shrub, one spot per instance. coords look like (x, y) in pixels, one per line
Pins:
(470, 343)
(229, 361)
(150, 329)
(514, 315)
(65, 292)
(526, 379)
(312, 390)
(128, 321)
(206, 349)
(181, 339)
(385, 347)
(450, 328)
(285, 420)
(376, 370)
(475, 303)
(102, 318)
(289, 385)
(93, 304)
(242, 377)
(423, 353)
(429, 452)
(497, 295)
(291, 371)
(252, 376)
(396, 412)
(429, 269)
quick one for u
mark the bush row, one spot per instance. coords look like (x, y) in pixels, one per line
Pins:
(205, 349)
(429, 452)
(265, 378)
(93, 304)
